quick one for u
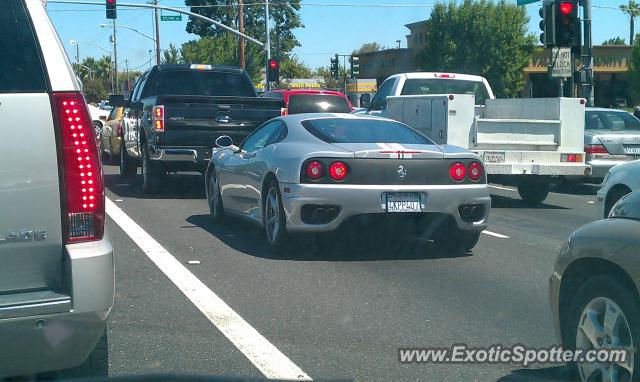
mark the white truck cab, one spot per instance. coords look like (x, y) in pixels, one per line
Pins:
(528, 143)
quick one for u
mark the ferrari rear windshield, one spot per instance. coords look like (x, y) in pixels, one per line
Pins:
(342, 130)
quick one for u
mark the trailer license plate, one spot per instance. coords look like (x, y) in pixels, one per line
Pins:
(494, 157)
(632, 150)
(403, 202)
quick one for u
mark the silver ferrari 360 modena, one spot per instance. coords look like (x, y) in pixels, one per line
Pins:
(315, 172)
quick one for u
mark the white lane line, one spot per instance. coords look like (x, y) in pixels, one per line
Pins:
(262, 353)
(502, 188)
(499, 235)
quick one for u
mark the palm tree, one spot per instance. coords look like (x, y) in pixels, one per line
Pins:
(633, 10)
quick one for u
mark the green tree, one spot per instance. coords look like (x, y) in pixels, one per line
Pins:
(292, 67)
(284, 15)
(634, 73)
(94, 90)
(171, 55)
(368, 48)
(633, 10)
(614, 41)
(328, 81)
(480, 37)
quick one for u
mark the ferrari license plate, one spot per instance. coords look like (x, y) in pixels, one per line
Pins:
(403, 202)
(494, 157)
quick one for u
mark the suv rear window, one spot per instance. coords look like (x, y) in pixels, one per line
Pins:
(21, 69)
(352, 130)
(200, 83)
(317, 103)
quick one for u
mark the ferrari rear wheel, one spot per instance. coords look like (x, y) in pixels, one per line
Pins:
(214, 198)
(455, 240)
(273, 216)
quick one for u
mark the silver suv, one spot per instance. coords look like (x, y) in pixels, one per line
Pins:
(56, 262)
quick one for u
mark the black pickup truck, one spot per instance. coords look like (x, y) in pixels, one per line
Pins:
(176, 112)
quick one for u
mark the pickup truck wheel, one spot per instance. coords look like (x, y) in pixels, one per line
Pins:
(214, 198)
(128, 167)
(97, 365)
(533, 193)
(273, 216)
(151, 172)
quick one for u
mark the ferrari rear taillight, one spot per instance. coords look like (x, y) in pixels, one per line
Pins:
(457, 171)
(158, 118)
(82, 174)
(475, 171)
(337, 170)
(314, 170)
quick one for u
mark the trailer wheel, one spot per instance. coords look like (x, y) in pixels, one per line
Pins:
(533, 193)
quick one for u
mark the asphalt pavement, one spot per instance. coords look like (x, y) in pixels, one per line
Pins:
(333, 310)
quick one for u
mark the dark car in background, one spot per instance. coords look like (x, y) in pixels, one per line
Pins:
(311, 101)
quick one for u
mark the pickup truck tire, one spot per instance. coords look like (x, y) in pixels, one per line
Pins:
(533, 193)
(152, 172)
(97, 365)
(128, 167)
(214, 198)
(273, 216)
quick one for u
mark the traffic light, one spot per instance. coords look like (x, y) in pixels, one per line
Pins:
(547, 24)
(355, 66)
(335, 71)
(273, 75)
(111, 9)
(567, 24)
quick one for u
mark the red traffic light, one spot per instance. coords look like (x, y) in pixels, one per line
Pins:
(273, 64)
(566, 8)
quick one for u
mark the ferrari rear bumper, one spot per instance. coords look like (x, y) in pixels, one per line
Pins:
(346, 201)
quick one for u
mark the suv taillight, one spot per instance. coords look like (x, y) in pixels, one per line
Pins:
(158, 118)
(83, 186)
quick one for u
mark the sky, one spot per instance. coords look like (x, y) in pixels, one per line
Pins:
(330, 27)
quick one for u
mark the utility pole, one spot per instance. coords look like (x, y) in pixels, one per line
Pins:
(241, 29)
(126, 66)
(155, 2)
(267, 45)
(78, 53)
(587, 54)
(344, 65)
(115, 58)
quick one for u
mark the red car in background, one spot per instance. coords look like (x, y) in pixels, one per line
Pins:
(311, 101)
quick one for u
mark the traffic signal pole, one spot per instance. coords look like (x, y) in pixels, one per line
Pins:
(267, 46)
(115, 58)
(587, 53)
(157, 34)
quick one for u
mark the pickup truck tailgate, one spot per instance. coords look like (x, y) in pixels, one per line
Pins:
(199, 120)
